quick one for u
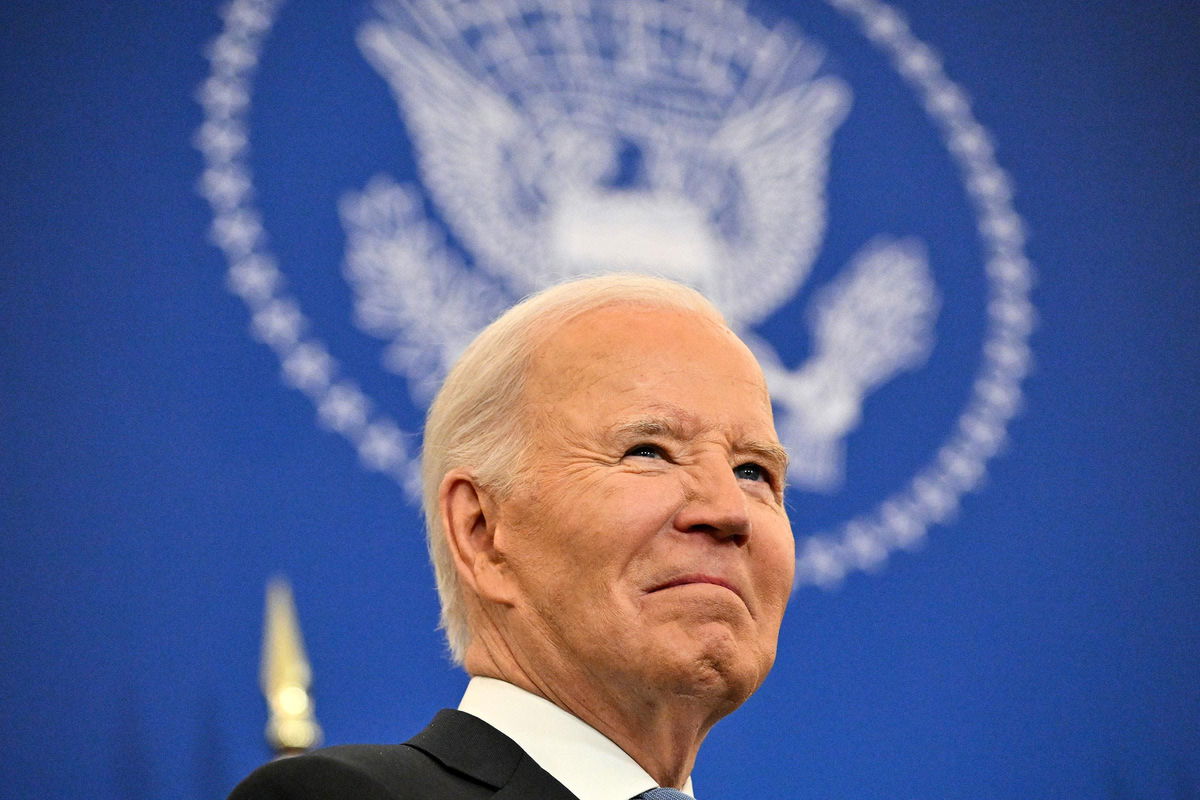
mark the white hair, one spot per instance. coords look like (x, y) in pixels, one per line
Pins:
(476, 421)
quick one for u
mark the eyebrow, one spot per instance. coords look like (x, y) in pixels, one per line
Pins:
(680, 425)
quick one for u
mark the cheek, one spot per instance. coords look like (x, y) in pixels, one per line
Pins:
(775, 564)
(612, 544)
(626, 509)
(642, 506)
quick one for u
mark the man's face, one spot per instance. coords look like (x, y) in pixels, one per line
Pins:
(647, 541)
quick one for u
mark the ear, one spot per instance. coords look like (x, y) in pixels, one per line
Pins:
(469, 518)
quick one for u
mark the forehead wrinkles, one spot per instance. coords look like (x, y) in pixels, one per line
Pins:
(558, 379)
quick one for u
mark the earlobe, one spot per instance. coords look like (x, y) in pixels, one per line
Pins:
(469, 519)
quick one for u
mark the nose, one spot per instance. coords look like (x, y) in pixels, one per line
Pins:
(715, 504)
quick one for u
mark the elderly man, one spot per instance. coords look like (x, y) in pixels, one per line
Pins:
(604, 503)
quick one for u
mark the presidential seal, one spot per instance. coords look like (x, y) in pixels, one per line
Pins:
(688, 139)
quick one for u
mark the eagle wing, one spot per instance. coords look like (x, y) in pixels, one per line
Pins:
(780, 148)
(464, 134)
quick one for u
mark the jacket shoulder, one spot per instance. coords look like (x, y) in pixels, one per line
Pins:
(362, 772)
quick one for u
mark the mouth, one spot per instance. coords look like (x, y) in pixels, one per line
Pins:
(696, 580)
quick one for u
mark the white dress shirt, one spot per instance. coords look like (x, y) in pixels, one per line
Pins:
(579, 757)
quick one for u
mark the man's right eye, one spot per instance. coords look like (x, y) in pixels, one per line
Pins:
(645, 451)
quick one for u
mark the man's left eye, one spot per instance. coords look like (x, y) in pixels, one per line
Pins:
(752, 472)
(645, 451)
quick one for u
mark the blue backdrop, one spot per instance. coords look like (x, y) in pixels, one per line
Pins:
(1043, 638)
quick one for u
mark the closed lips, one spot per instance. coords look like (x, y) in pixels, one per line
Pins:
(686, 580)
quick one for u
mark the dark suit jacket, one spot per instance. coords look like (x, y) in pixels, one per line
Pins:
(457, 756)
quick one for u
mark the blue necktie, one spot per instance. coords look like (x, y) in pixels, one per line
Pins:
(663, 794)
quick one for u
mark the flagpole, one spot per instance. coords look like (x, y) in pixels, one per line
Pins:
(286, 676)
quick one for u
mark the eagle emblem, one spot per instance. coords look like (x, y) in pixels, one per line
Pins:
(558, 139)
(684, 138)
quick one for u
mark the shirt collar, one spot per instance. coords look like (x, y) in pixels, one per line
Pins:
(579, 757)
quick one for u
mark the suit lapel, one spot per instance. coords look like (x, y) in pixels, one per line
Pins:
(466, 744)
(530, 780)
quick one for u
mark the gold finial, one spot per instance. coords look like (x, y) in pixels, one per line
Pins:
(286, 676)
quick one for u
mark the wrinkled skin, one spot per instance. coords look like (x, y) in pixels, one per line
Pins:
(638, 575)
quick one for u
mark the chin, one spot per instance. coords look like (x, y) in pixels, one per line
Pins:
(715, 664)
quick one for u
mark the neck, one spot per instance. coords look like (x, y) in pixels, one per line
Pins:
(659, 727)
